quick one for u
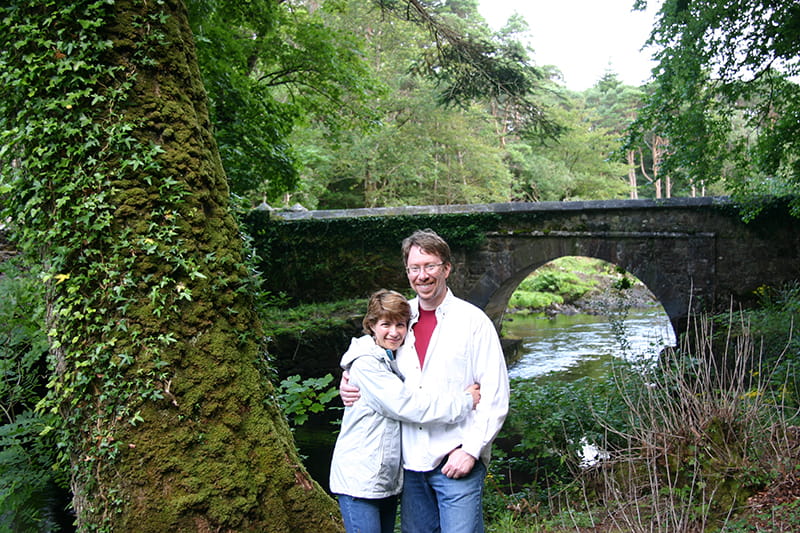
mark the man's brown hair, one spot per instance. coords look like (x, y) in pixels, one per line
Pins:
(429, 242)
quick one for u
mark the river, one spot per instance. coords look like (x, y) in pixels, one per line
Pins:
(567, 347)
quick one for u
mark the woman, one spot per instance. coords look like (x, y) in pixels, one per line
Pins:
(366, 471)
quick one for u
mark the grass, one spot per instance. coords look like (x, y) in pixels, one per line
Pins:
(702, 434)
(561, 281)
(296, 321)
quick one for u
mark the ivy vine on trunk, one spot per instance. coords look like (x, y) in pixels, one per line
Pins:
(112, 180)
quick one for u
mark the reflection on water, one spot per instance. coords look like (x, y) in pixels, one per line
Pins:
(579, 345)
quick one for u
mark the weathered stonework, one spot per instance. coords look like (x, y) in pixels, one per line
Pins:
(692, 253)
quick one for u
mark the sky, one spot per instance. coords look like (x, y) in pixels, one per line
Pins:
(583, 38)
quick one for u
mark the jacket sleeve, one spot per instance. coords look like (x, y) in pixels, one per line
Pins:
(491, 372)
(387, 395)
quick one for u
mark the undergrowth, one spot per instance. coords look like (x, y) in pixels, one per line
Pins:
(683, 443)
(297, 320)
(561, 281)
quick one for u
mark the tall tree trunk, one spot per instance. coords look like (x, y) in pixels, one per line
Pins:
(215, 453)
(631, 155)
(658, 149)
(174, 426)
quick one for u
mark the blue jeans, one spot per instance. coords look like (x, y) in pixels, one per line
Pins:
(363, 515)
(434, 503)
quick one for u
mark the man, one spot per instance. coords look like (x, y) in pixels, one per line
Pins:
(451, 344)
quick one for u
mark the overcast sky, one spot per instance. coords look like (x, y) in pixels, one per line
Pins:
(583, 38)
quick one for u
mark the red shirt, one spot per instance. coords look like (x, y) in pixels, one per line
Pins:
(423, 331)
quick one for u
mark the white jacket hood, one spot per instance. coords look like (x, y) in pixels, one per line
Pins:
(360, 347)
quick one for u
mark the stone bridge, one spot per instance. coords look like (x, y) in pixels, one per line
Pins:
(692, 253)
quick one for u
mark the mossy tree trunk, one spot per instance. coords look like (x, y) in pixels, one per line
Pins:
(213, 453)
(157, 350)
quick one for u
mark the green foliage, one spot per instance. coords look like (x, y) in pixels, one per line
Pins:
(27, 458)
(546, 423)
(348, 114)
(556, 282)
(581, 165)
(323, 260)
(785, 516)
(468, 66)
(414, 152)
(540, 445)
(322, 316)
(267, 67)
(23, 343)
(690, 439)
(63, 140)
(299, 399)
(567, 284)
(27, 451)
(773, 323)
(55, 157)
(725, 113)
(532, 300)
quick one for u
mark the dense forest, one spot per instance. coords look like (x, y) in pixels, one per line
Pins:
(373, 104)
(133, 134)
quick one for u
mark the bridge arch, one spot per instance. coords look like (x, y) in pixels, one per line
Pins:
(510, 259)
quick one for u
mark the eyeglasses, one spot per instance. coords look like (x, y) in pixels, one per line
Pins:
(429, 269)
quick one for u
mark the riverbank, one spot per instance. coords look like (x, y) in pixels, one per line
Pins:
(308, 340)
(605, 298)
(580, 285)
(694, 446)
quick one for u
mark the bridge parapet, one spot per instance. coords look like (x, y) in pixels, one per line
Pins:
(692, 253)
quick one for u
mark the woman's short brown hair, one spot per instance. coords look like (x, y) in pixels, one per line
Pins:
(386, 304)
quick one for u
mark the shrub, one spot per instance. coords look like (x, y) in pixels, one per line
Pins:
(557, 282)
(701, 437)
(27, 454)
(533, 300)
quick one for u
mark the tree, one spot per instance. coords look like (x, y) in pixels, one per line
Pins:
(577, 166)
(418, 151)
(112, 182)
(723, 94)
(467, 66)
(617, 106)
(268, 67)
(511, 119)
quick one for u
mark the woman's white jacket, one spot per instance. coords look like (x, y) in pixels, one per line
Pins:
(367, 461)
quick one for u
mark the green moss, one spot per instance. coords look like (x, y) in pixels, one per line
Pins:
(298, 320)
(163, 413)
(323, 260)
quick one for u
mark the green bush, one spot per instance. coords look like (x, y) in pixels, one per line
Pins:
(299, 399)
(557, 282)
(27, 454)
(547, 424)
(772, 325)
(533, 300)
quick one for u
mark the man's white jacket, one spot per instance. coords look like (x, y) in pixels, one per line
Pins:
(464, 349)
